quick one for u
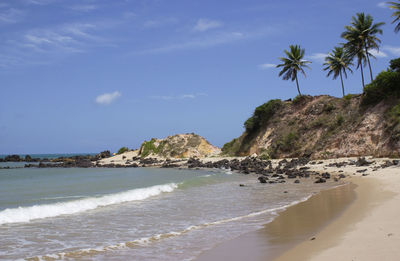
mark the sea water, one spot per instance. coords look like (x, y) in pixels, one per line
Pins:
(132, 213)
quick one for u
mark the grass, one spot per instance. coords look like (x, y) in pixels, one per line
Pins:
(122, 150)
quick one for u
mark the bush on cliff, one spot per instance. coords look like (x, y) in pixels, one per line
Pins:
(385, 86)
(261, 115)
(122, 150)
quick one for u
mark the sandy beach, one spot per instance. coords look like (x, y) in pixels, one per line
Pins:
(358, 221)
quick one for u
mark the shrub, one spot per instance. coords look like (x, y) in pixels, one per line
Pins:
(348, 97)
(386, 85)
(122, 150)
(231, 148)
(299, 99)
(393, 122)
(261, 115)
(395, 65)
(328, 107)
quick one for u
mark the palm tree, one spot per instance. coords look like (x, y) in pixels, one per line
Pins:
(396, 7)
(361, 37)
(337, 63)
(293, 63)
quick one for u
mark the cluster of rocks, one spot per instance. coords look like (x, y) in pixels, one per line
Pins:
(17, 158)
(293, 169)
(79, 161)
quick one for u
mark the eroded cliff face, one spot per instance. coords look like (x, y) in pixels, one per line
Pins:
(179, 146)
(320, 127)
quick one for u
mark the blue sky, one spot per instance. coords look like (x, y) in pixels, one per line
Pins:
(90, 75)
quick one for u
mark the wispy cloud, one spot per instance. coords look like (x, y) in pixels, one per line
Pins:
(155, 23)
(266, 66)
(66, 38)
(206, 24)
(206, 41)
(377, 53)
(41, 2)
(317, 57)
(11, 16)
(394, 50)
(178, 97)
(383, 5)
(84, 8)
(107, 98)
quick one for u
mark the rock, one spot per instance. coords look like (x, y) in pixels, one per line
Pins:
(297, 181)
(361, 170)
(320, 180)
(363, 162)
(263, 179)
(242, 185)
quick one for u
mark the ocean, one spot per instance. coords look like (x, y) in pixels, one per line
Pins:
(132, 213)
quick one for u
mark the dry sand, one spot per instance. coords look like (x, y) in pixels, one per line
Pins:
(360, 221)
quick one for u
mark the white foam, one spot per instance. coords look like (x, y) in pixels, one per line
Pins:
(145, 241)
(26, 214)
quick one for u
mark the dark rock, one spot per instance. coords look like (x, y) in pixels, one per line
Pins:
(363, 162)
(320, 180)
(263, 179)
(297, 181)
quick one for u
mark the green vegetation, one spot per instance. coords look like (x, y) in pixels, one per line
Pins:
(329, 107)
(385, 86)
(293, 63)
(396, 14)
(231, 148)
(300, 99)
(395, 65)
(261, 115)
(337, 63)
(361, 37)
(393, 122)
(149, 147)
(122, 150)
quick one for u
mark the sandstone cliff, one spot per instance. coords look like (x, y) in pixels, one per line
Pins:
(320, 127)
(178, 146)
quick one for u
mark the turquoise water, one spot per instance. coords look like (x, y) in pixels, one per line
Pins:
(50, 156)
(131, 214)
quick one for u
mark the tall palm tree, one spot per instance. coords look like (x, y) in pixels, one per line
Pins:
(361, 37)
(293, 63)
(337, 63)
(396, 14)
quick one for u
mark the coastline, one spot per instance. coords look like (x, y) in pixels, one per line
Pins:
(368, 230)
(364, 226)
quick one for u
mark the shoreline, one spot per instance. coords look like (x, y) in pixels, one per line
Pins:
(289, 228)
(369, 219)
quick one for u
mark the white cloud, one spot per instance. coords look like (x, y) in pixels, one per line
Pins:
(317, 57)
(178, 97)
(377, 53)
(383, 5)
(204, 42)
(160, 22)
(392, 49)
(107, 98)
(83, 8)
(266, 66)
(205, 24)
(11, 16)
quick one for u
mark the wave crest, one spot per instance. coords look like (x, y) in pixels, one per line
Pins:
(26, 214)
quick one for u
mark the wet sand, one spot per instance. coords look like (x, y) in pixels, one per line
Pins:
(294, 225)
(355, 222)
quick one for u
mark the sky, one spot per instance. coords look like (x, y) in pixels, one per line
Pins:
(91, 75)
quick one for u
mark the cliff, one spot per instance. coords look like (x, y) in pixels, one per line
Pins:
(320, 127)
(178, 146)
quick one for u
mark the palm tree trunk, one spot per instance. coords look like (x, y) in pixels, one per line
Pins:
(362, 75)
(341, 79)
(297, 83)
(369, 63)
